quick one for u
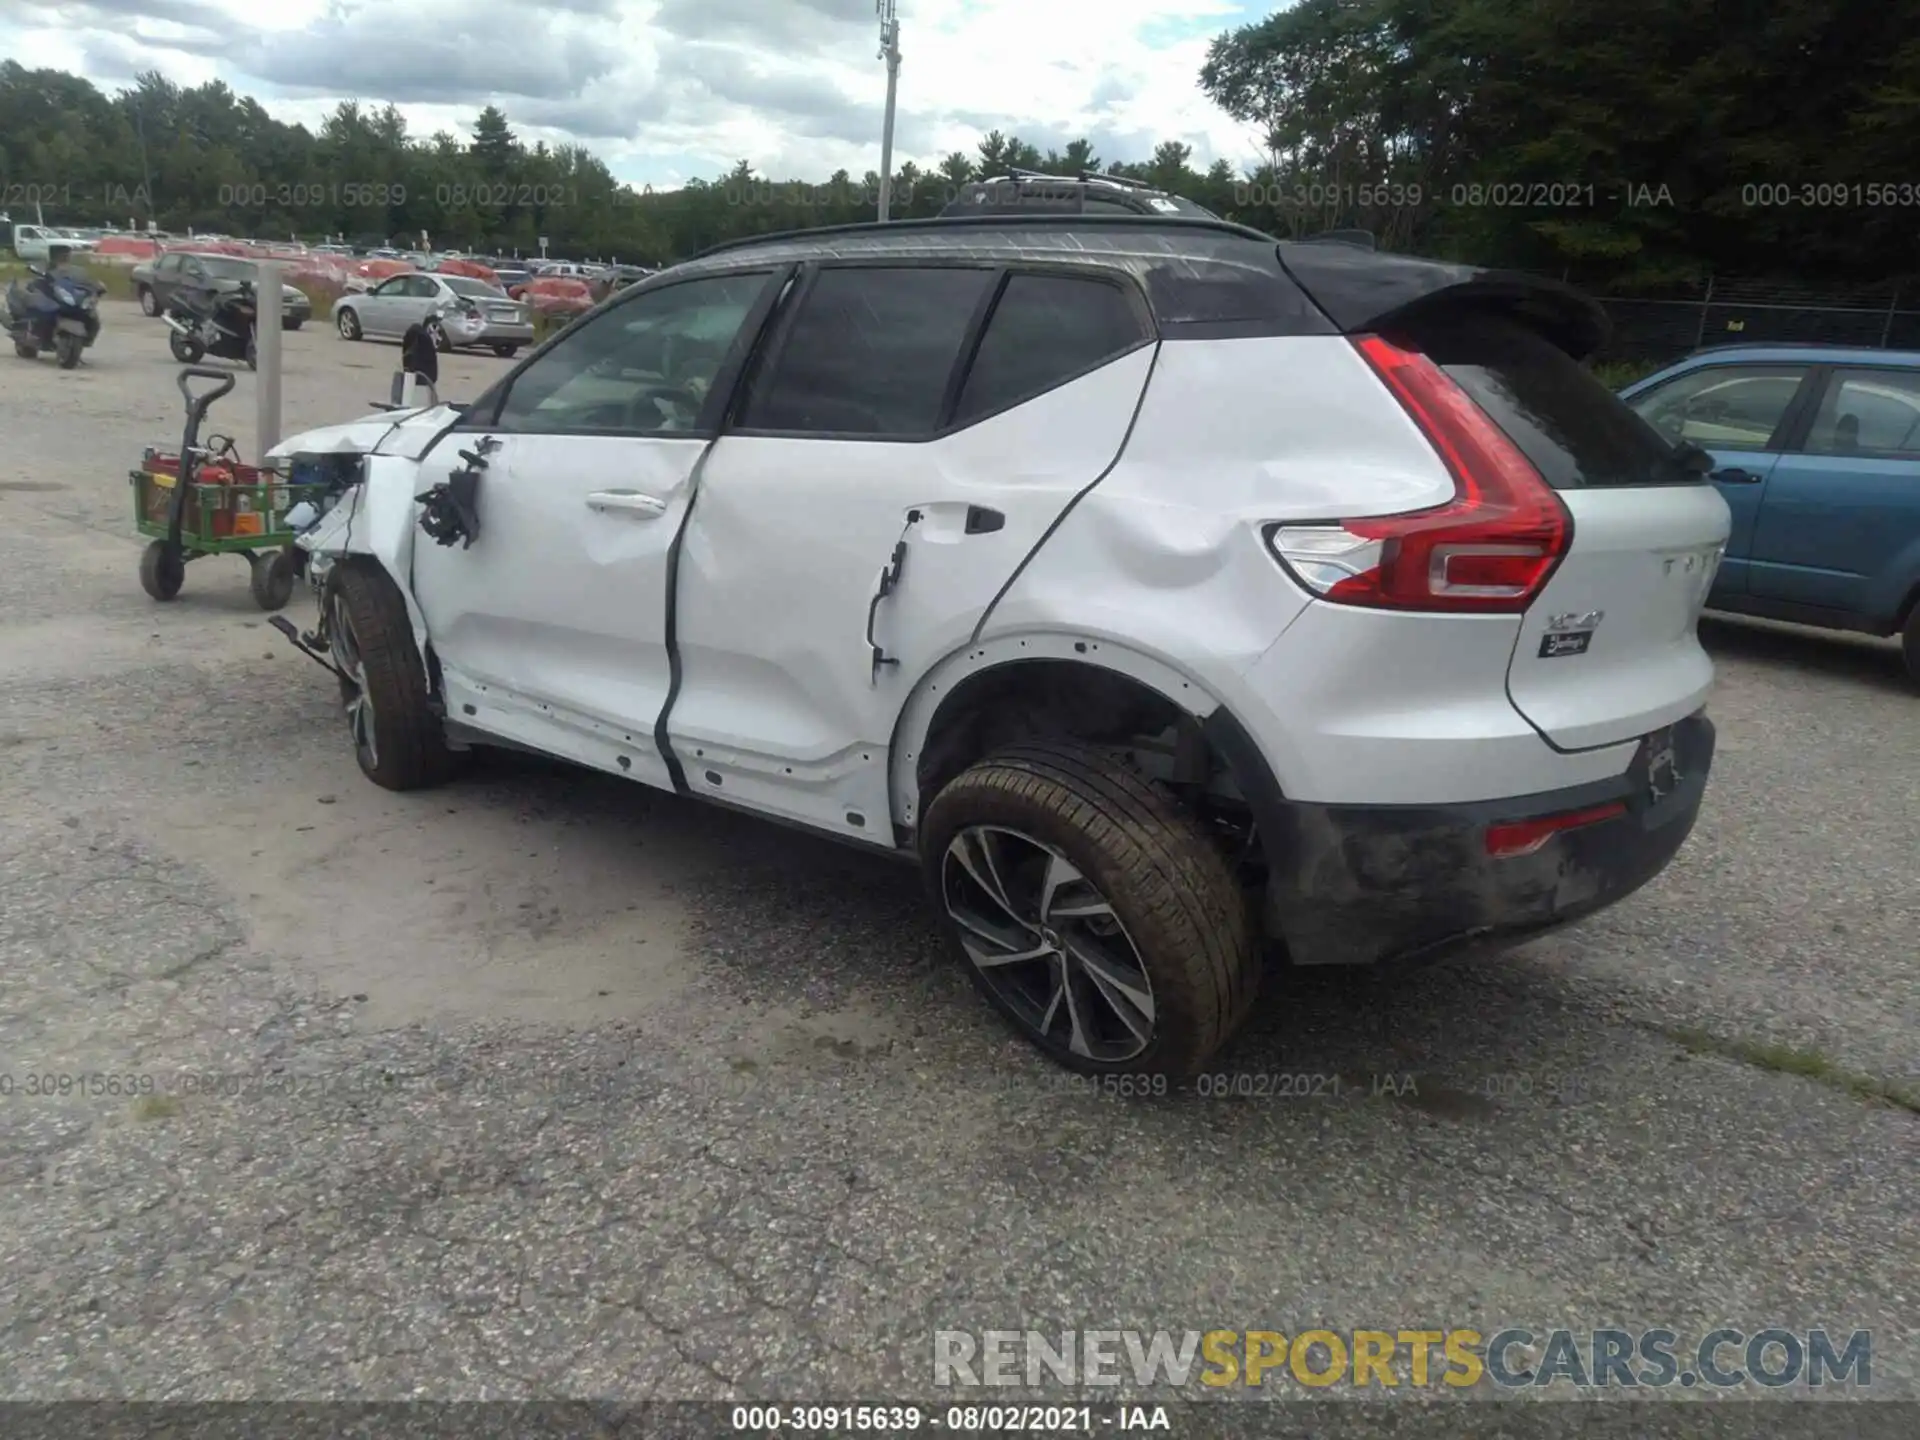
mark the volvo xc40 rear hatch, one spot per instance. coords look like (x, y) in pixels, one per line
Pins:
(1571, 513)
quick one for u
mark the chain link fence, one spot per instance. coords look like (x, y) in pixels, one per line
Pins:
(1653, 329)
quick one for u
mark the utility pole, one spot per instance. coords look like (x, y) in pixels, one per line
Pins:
(889, 52)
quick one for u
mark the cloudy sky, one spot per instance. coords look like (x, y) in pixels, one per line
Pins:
(669, 89)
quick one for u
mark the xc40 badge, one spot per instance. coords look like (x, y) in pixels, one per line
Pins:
(1570, 634)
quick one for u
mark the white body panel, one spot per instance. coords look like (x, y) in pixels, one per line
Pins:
(551, 629)
(780, 707)
(1644, 559)
(1167, 558)
(405, 433)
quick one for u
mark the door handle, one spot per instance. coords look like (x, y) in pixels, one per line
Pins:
(1734, 475)
(982, 521)
(627, 502)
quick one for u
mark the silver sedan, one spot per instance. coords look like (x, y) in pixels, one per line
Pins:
(458, 312)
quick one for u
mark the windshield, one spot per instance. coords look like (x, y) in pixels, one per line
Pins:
(465, 285)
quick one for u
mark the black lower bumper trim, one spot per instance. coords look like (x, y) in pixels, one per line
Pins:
(1357, 884)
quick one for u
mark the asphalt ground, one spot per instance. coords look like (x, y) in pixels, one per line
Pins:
(544, 1085)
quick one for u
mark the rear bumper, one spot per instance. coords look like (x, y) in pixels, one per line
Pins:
(493, 332)
(1360, 884)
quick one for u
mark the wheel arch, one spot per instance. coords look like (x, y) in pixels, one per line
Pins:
(1060, 677)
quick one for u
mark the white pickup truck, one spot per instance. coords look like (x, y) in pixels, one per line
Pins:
(33, 242)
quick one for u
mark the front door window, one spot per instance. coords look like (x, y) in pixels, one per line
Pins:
(642, 368)
(1722, 407)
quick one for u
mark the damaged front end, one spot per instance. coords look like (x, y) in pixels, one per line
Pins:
(375, 499)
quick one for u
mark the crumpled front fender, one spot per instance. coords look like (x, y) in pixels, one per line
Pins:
(376, 519)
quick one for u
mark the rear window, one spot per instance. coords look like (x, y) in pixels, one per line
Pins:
(1578, 433)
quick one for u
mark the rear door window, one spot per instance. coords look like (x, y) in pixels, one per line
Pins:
(1577, 433)
(1869, 413)
(868, 353)
(1045, 331)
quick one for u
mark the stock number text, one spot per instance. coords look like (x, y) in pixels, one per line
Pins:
(1317, 197)
(1827, 196)
(346, 194)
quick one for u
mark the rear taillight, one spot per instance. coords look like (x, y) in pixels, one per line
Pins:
(1490, 549)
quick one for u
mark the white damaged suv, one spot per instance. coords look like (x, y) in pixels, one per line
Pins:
(1176, 597)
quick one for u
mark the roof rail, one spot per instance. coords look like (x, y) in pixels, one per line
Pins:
(1083, 177)
(1000, 221)
(1359, 239)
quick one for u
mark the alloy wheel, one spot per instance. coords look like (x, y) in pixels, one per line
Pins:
(1048, 944)
(353, 681)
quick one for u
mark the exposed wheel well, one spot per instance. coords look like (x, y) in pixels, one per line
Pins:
(1907, 607)
(1058, 699)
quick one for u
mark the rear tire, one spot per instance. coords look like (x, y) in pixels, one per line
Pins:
(1150, 961)
(161, 575)
(506, 352)
(291, 324)
(187, 352)
(253, 350)
(1910, 645)
(66, 350)
(348, 324)
(398, 740)
(149, 305)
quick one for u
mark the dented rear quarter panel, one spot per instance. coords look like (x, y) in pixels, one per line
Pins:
(1167, 555)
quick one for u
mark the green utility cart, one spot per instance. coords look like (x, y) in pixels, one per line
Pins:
(203, 501)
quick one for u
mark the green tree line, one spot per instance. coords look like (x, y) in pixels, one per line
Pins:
(1626, 145)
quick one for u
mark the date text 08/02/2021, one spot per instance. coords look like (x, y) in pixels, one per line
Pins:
(949, 1419)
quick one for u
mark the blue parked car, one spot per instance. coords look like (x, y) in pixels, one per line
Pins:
(1817, 451)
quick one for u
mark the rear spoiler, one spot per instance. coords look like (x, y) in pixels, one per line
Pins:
(1360, 291)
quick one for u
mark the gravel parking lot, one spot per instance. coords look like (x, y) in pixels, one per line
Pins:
(547, 1085)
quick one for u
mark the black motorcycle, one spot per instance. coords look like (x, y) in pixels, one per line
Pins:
(218, 318)
(53, 310)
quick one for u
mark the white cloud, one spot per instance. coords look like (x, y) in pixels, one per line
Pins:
(668, 89)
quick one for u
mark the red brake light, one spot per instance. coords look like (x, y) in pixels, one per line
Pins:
(1490, 549)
